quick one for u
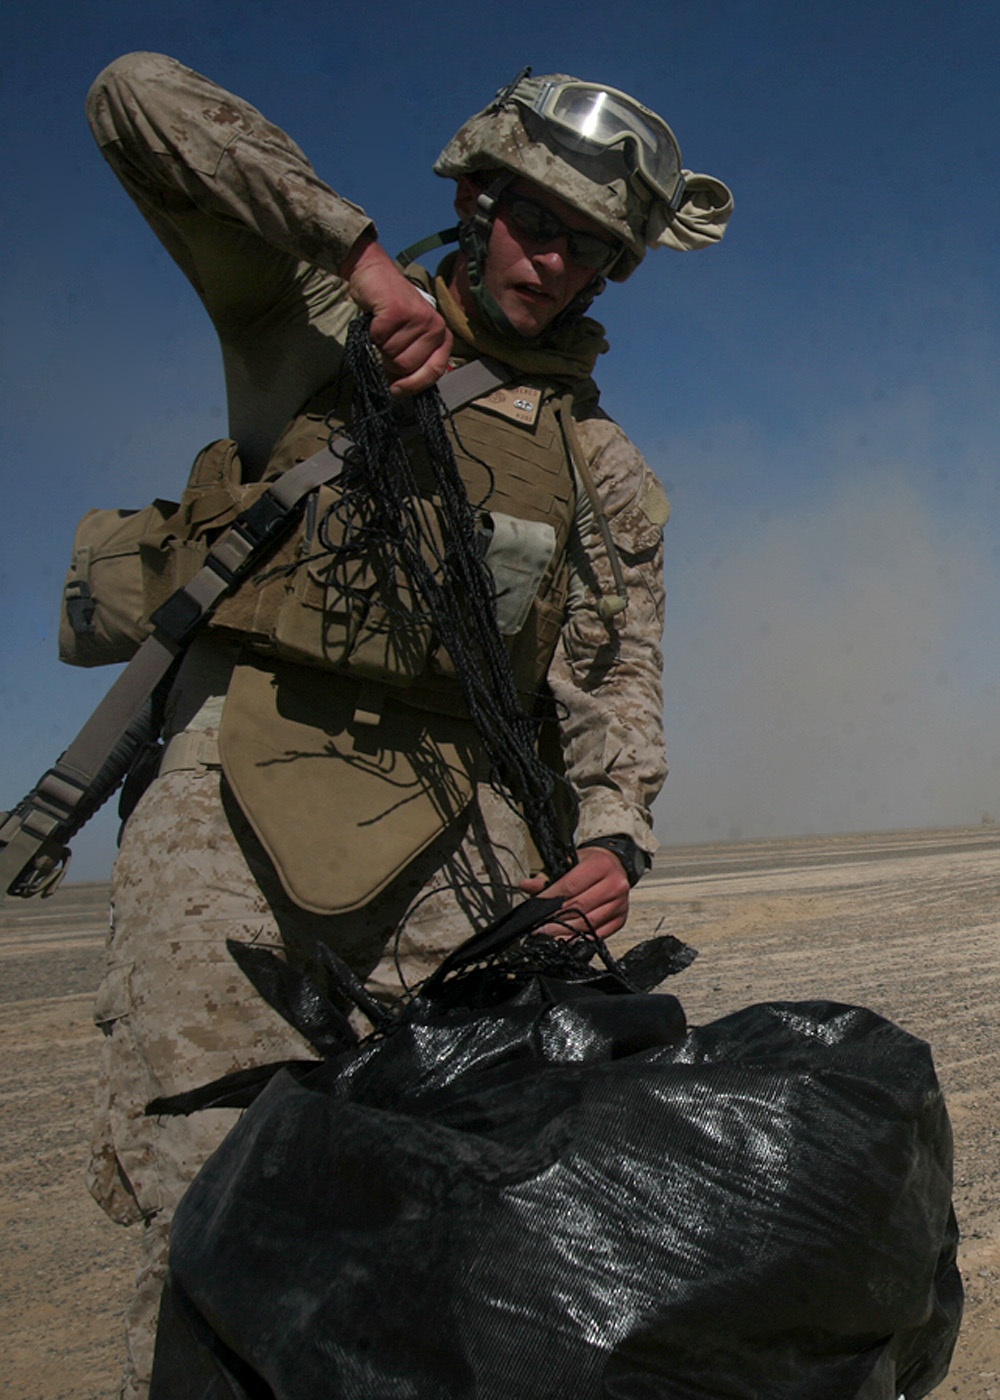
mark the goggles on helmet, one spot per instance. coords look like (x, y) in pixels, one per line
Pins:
(586, 115)
(538, 224)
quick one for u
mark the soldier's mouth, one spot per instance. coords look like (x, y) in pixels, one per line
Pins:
(534, 294)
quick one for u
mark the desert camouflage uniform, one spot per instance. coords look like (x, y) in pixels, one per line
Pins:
(260, 237)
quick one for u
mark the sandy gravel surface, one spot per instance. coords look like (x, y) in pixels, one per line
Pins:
(907, 924)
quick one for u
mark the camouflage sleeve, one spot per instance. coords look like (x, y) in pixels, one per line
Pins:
(606, 676)
(252, 226)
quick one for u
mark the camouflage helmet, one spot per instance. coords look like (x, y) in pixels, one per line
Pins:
(605, 154)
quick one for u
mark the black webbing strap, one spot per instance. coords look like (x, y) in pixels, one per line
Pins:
(33, 837)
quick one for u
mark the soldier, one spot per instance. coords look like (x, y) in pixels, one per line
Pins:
(296, 802)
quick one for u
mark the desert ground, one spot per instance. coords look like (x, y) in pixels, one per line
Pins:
(905, 923)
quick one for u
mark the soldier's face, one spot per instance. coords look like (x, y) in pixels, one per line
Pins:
(532, 280)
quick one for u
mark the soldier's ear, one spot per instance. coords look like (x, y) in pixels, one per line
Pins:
(467, 191)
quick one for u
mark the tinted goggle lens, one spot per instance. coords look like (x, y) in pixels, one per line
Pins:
(542, 226)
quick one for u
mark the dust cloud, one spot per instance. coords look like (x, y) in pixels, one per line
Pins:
(832, 650)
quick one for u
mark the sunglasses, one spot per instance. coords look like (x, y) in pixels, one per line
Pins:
(540, 225)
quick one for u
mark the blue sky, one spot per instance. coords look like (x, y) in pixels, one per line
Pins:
(818, 393)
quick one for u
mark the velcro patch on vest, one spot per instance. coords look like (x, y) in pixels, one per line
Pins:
(520, 403)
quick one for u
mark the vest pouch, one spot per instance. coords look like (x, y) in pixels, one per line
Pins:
(342, 807)
(174, 552)
(167, 566)
(529, 592)
(103, 614)
(519, 554)
(532, 649)
(352, 607)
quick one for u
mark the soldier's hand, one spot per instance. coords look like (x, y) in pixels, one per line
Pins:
(410, 333)
(596, 887)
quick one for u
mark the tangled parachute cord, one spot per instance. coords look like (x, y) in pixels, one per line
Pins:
(450, 582)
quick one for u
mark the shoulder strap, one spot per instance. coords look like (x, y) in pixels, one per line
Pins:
(34, 853)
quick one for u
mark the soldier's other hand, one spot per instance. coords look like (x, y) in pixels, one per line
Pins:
(410, 333)
(596, 887)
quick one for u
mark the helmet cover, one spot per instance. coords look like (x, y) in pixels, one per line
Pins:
(606, 155)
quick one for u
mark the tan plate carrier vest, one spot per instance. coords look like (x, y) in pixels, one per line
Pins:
(344, 735)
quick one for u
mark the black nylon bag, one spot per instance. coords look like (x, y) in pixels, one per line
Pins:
(574, 1195)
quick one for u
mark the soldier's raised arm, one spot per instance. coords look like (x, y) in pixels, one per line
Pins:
(264, 241)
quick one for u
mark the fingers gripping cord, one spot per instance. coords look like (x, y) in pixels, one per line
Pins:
(449, 580)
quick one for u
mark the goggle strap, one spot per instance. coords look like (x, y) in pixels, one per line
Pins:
(505, 93)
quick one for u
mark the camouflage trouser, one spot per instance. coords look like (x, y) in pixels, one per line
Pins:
(177, 1012)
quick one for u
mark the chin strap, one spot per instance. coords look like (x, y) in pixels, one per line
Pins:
(473, 237)
(474, 241)
(427, 245)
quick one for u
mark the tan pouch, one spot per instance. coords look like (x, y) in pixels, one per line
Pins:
(125, 563)
(345, 609)
(103, 614)
(340, 805)
(174, 552)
